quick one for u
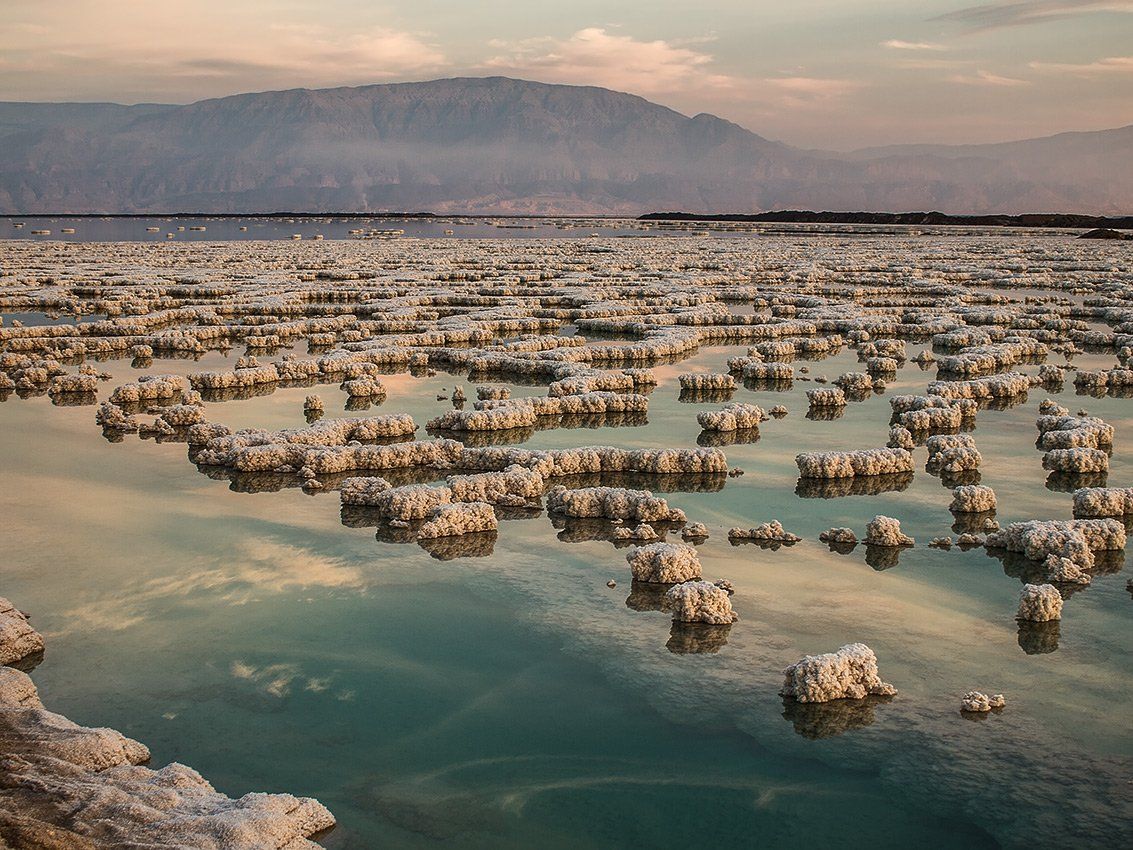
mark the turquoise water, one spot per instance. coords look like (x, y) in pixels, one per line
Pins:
(515, 700)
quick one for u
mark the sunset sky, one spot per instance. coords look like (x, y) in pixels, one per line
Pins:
(833, 75)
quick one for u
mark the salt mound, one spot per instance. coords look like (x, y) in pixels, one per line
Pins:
(849, 673)
(700, 602)
(664, 563)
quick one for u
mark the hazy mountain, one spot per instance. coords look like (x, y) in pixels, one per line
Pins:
(501, 145)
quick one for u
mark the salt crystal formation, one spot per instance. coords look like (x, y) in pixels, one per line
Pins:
(700, 602)
(886, 531)
(1076, 539)
(826, 397)
(772, 531)
(1039, 603)
(972, 498)
(974, 701)
(1103, 502)
(451, 520)
(835, 464)
(840, 536)
(67, 785)
(702, 381)
(18, 640)
(732, 417)
(695, 531)
(849, 673)
(664, 563)
(612, 503)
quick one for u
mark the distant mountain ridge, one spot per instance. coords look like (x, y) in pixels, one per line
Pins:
(498, 145)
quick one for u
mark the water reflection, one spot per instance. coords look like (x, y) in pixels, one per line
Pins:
(480, 544)
(697, 638)
(970, 523)
(1068, 482)
(826, 413)
(646, 596)
(882, 557)
(858, 485)
(719, 439)
(817, 720)
(1039, 638)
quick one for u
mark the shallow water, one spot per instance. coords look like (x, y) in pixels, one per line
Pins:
(516, 700)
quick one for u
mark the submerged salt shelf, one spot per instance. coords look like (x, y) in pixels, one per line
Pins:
(289, 548)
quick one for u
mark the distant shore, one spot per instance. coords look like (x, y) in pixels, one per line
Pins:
(1065, 220)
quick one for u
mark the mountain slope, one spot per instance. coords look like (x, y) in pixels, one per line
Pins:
(501, 145)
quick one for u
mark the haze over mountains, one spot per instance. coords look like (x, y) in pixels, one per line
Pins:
(498, 145)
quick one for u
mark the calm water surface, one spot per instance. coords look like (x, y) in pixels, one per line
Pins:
(516, 700)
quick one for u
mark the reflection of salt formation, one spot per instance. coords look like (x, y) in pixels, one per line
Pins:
(664, 563)
(700, 602)
(646, 596)
(862, 485)
(849, 673)
(18, 640)
(1103, 502)
(886, 531)
(817, 720)
(765, 532)
(834, 464)
(1039, 638)
(1039, 603)
(979, 702)
(697, 638)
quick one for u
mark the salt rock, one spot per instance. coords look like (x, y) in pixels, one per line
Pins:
(699, 602)
(664, 563)
(886, 531)
(18, 639)
(849, 673)
(1039, 603)
(975, 701)
(695, 531)
(972, 498)
(451, 520)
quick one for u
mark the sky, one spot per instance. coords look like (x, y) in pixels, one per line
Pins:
(834, 75)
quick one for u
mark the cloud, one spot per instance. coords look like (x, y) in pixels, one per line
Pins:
(986, 78)
(1110, 65)
(897, 44)
(1025, 12)
(805, 90)
(594, 56)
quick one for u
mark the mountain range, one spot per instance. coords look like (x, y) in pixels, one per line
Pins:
(499, 145)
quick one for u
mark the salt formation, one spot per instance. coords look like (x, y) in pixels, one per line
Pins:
(849, 673)
(695, 531)
(731, 417)
(952, 453)
(1039, 603)
(1076, 460)
(706, 382)
(836, 464)
(1061, 570)
(80, 787)
(972, 498)
(841, 536)
(772, 532)
(700, 602)
(313, 404)
(449, 520)
(886, 531)
(974, 701)
(1103, 502)
(1076, 539)
(826, 397)
(900, 438)
(18, 640)
(611, 503)
(664, 563)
